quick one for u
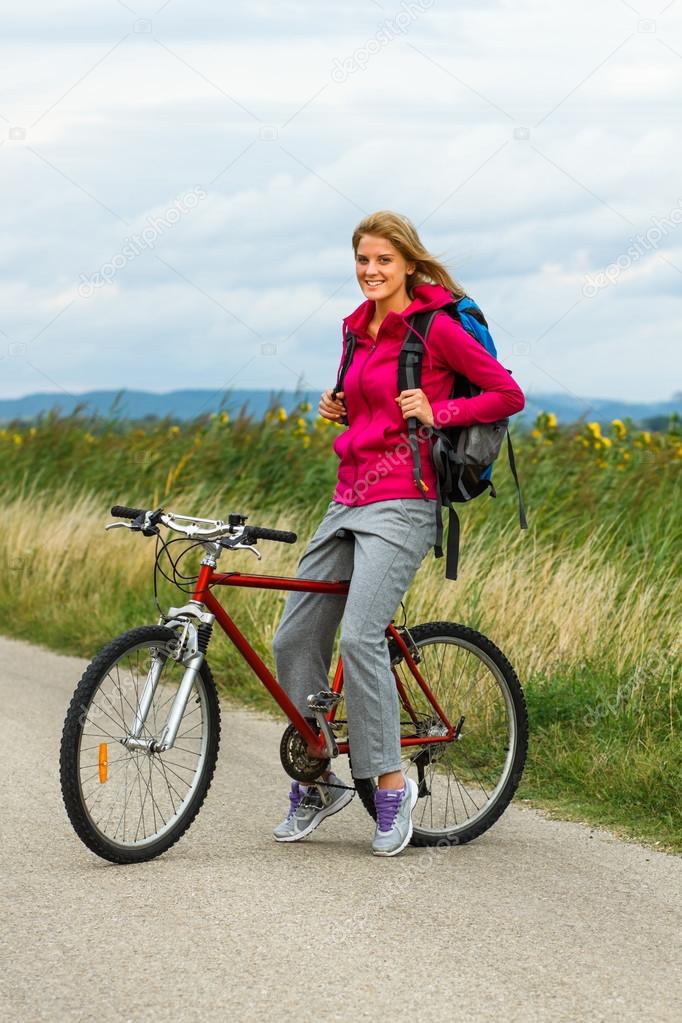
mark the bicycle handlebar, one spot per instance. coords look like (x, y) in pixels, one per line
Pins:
(216, 528)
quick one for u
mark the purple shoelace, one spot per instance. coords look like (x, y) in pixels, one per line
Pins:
(387, 803)
(296, 794)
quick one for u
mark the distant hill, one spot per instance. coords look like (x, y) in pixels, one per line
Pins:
(182, 405)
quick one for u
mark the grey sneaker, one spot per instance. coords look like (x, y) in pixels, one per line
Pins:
(394, 818)
(307, 809)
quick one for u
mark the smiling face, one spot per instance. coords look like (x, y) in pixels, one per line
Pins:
(381, 270)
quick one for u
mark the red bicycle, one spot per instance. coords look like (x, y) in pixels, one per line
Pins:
(141, 735)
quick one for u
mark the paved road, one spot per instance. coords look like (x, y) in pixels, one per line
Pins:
(537, 920)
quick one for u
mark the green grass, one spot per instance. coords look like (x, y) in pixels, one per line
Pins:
(586, 603)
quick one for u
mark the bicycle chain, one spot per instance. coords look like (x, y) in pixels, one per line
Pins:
(331, 785)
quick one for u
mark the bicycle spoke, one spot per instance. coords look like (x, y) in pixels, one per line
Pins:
(142, 801)
(462, 776)
(174, 763)
(141, 794)
(162, 770)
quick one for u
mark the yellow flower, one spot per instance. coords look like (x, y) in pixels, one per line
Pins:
(607, 442)
(18, 439)
(595, 429)
(306, 441)
(224, 417)
(305, 406)
(32, 431)
(535, 433)
(281, 414)
(301, 423)
(174, 431)
(88, 438)
(551, 420)
(619, 428)
(646, 437)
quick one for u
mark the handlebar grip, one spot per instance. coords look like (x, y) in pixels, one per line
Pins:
(260, 533)
(121, 512)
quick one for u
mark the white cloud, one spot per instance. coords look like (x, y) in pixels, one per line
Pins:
(428, 126)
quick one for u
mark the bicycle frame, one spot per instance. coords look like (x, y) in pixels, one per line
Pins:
(209, 578)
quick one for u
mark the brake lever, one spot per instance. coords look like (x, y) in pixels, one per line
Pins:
(234, 545)
(151, 531)
(248, 547)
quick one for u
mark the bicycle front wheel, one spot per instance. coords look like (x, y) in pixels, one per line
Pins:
(132, 804)
(464, 784)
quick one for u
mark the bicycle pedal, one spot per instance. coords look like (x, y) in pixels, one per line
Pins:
(324, 700)
(326, 796)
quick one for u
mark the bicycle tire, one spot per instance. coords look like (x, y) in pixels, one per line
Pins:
(71, 786)
(454, 633)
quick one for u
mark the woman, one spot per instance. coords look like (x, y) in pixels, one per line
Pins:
(376, 500)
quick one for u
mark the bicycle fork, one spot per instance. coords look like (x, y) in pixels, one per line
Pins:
(190, 651)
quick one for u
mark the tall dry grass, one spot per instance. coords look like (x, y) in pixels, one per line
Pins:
(586, 604)
(67, 582)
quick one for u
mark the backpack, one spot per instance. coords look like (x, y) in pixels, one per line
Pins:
(462, 456)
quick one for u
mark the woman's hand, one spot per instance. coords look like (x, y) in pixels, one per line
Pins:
(328, 409)
(415, 403)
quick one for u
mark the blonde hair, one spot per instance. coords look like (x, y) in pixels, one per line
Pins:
(402, 234)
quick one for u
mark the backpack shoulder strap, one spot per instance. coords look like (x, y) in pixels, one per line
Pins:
(409, 377)
(347, 359)
(410, 358)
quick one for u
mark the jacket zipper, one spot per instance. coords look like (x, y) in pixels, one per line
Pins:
(360, 375)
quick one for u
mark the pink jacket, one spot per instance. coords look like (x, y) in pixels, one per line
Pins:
(374, 460)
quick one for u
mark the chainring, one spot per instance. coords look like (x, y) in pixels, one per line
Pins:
(296, 760)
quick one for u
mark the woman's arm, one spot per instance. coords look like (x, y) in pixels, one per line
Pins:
(501, 396)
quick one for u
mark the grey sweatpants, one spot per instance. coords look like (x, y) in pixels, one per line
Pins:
(391, 539)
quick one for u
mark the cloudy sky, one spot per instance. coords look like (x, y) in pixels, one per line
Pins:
(181, 184)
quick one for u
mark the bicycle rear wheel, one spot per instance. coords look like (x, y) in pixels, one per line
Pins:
(464, 784)
(130, 805)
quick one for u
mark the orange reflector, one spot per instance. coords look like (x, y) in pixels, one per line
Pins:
(425, 486)
(103, 762)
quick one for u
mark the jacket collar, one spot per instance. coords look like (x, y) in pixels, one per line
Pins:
(426, 297)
